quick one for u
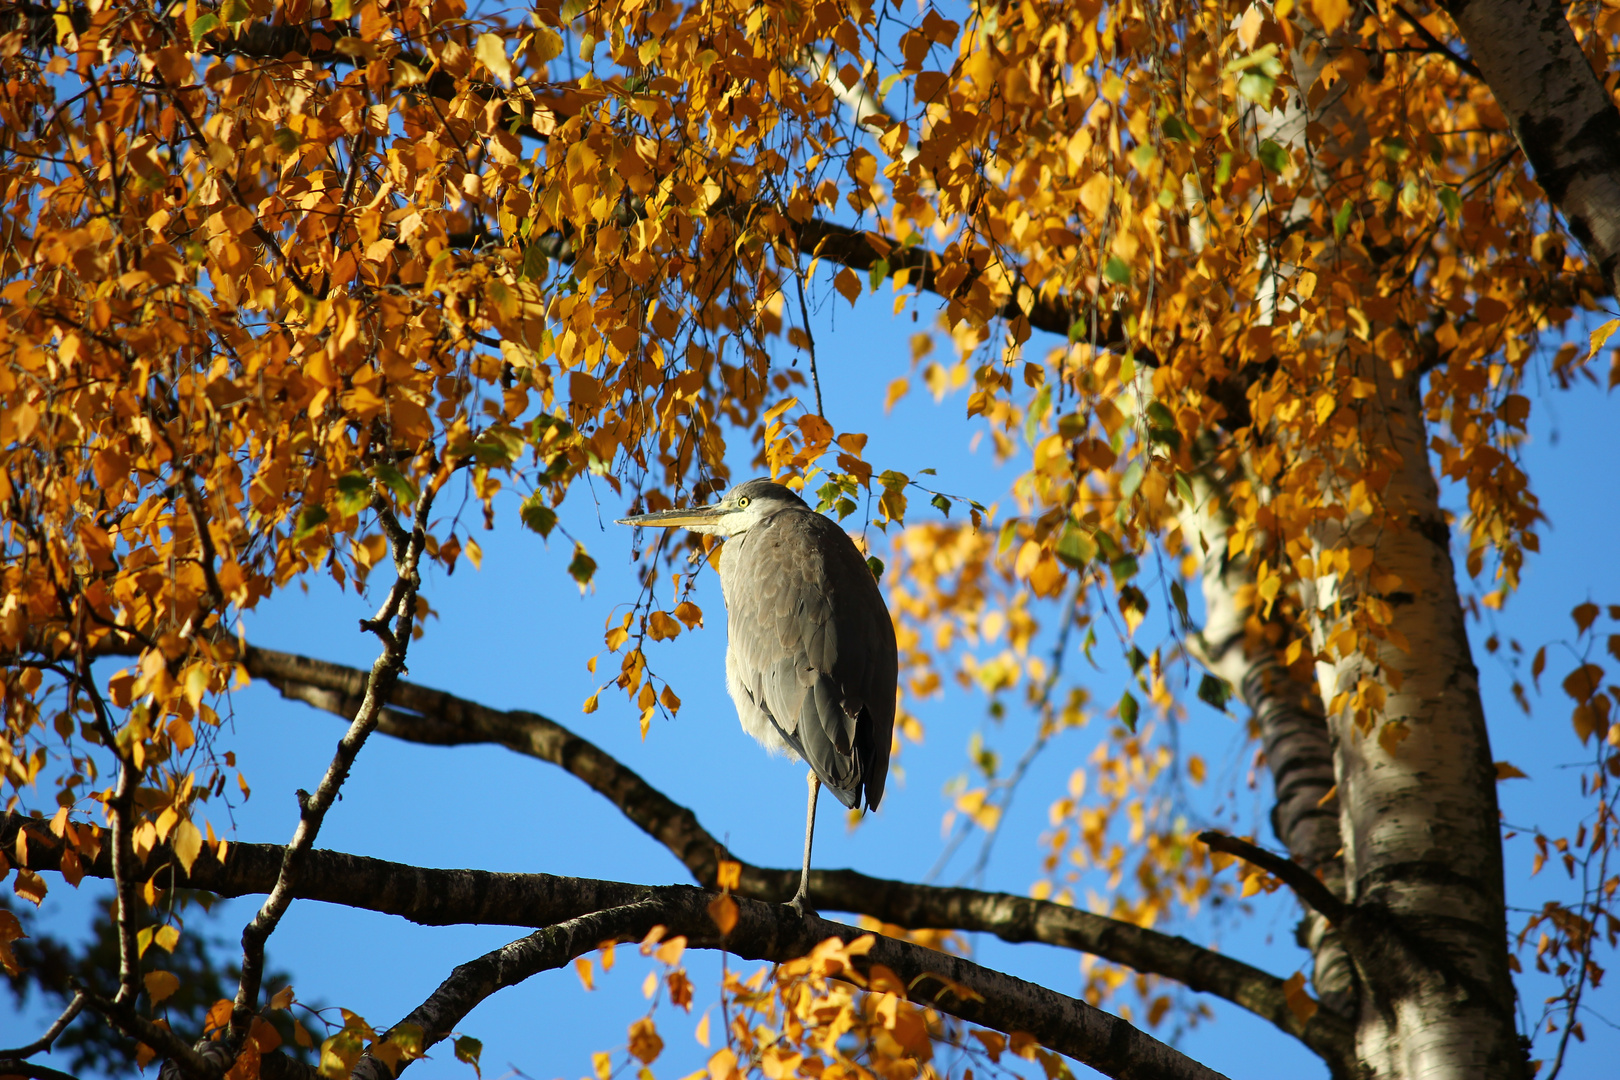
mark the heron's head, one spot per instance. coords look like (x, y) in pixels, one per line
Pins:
(742, 506)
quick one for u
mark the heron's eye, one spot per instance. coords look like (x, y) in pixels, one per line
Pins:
(742, 503)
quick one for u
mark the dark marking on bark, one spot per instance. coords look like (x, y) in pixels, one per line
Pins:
(1435, 529)
(1396, 599)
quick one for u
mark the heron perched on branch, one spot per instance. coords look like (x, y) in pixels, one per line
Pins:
(810, 652)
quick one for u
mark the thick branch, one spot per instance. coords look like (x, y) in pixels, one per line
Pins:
(17, 1067)
(764, 931)
(1566, 123)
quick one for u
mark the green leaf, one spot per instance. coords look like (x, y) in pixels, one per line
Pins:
(201, 27)
(1137, 658)
(894, 481)
(1124, 568)
(1451, 202)
(1117, 271)
(285, 138)
(1176, 128)
(942, 504)
(1038, 408)
(468, 1049)
(342, 9)
(354, 492)
(1178, 597)
(875, 564)
(1257, 88)
(309, 519)
(1009, 530)
(1341, 220)
(1223, 170)
(1132, 480)
(1184, 488)
(1077, 330)
(396, 481)
(1214, 691)
(535, 262)
(237, 11)
(581, 569)
(1272, 156)
(888, 83)
(1129, 710)
(876, 275)
(1074, 547)
(537, 515)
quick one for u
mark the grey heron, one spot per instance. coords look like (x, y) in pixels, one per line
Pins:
(810, 652)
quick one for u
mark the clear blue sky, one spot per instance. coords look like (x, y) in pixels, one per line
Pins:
(518, 634)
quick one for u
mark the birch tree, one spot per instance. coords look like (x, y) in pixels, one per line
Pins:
(1236, 285)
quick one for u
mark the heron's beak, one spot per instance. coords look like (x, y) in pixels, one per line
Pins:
(692, 516)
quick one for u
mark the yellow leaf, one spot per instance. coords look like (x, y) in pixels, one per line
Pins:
(645, 1043)
(187, 843)
(723, 910)
(1392, 734)
(166, 937)
(282, 999)
(160, 984)
(848, 285)
(475, 554)
(11, 929)
(702, 1032)
(587, 972)
(548, 45)
(729, 874)
(491, 52)
(1300, 1002)
(1330, 13)
(1601, 335)
(723, 1065)
(897, 390)
(1095, 194)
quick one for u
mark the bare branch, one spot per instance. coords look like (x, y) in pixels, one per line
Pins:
(543, 950)
(191, 1063)
(1306, 885)
(44, 1042)
(15, 1067)
(312, 810)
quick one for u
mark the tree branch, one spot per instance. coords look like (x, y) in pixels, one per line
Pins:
(543, 950)
(44, 1042)
(1564, 120)
(764, 931)
(401, 608)
(1306, 885)
(16, 1067)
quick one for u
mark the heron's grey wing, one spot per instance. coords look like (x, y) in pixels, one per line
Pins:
(811, 642)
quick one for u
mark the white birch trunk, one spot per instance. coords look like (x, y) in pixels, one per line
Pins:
(1422, 840)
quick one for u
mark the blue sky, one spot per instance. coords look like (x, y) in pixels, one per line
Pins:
(518, 634)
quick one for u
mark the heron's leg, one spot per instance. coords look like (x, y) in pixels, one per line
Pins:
(801, 899)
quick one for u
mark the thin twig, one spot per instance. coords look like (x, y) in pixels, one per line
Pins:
(1306, 885)
(44, 1042)
(1440, 47)
(312, 810)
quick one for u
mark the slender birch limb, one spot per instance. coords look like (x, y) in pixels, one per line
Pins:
(400, 609)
